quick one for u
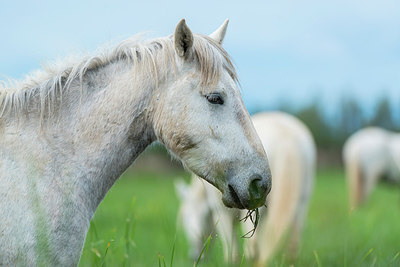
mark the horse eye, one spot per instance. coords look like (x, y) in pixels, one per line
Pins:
(215, 98)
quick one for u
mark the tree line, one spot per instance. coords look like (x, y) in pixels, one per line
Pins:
(331, 130)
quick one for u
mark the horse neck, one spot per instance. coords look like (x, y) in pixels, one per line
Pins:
(120, 124)
(102, 127)
(64, 166)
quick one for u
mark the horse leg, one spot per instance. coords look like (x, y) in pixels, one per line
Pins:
(356, 183)
(294, 241)
(370, 182)
(226, 228)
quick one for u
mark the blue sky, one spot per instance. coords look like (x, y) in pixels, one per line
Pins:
(287, 51)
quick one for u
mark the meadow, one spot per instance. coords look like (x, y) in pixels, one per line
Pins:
(136, 225)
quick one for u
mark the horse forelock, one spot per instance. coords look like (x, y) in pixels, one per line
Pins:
(155, 55)
(213, 59)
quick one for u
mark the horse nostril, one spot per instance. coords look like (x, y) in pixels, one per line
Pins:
(258, 187)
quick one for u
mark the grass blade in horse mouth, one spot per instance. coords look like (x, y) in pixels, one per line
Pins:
(254, 216)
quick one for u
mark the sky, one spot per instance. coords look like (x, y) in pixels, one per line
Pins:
(285, 51)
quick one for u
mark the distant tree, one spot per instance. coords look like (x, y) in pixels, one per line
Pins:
(350, 119)
(396, 111)
(331, 132)
(383, 116)
(313, 116)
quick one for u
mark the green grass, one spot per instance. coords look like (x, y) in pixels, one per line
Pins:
(136, 226)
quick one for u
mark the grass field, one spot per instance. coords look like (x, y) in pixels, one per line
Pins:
(137, 222)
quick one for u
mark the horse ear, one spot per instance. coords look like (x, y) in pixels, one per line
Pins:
(219, 34)
(183, 39)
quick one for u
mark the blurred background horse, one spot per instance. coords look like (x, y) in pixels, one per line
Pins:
(292, 157)
(370, 154)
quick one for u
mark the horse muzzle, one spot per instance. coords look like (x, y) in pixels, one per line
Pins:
(249, 194)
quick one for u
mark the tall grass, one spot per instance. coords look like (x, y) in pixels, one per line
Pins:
(139, 215)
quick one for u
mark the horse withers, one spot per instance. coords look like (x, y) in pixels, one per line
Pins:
(68, 133)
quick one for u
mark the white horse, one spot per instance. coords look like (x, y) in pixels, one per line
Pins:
(292, 156)
(201, 214)
(368, 155)
(68, 133)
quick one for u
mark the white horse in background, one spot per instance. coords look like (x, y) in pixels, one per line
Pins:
(201, 214)
(370, 154)
(292, 156)
(68, 133)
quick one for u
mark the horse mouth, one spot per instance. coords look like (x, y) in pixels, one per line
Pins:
(235, 198)
(232, 200)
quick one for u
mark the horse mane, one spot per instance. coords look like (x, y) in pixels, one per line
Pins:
(48, 84)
